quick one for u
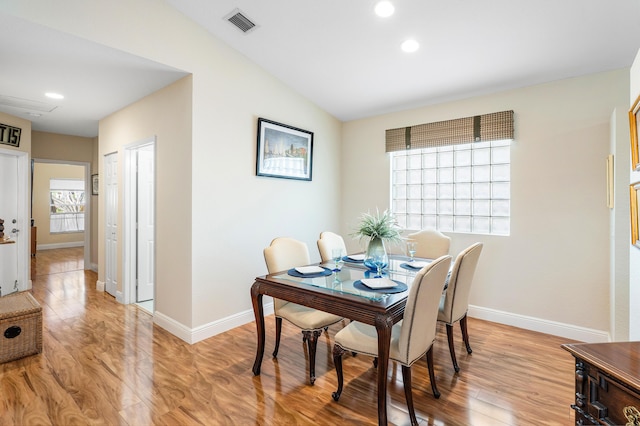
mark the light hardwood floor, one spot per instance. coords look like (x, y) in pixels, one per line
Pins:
(106, 363)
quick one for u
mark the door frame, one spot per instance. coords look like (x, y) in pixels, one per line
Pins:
(130, 243)
(23, 243)
(87, 205)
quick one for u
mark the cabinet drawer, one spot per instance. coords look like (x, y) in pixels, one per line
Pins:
(610, 401)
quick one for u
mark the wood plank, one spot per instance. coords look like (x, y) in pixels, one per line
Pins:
(107, 363)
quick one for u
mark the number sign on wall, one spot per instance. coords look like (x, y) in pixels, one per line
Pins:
(10, 135)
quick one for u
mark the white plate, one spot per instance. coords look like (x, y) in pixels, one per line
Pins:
(417, 264)
(309, 269)
(356, 256)
(377, 283)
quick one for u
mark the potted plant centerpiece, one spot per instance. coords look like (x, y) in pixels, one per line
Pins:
(378, 229)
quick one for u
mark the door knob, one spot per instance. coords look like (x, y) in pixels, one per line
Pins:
(15, 231)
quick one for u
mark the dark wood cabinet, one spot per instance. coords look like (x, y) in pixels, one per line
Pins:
(34, 240)
(607, 383)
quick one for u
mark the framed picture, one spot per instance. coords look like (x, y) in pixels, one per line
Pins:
(634, 189)
(94, 184)
(283, 151)
(634, 116)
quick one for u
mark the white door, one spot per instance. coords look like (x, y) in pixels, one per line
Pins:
(146, 223)
(14, 210)
(111, 222)
(9, 213)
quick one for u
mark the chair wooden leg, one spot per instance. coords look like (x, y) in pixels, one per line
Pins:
(452, 349)
(465, 333)
(406, 378)
(312, 342)
(337, 361)
(278, 333)
(432, 374)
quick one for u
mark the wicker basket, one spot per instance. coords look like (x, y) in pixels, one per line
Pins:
(20, 326)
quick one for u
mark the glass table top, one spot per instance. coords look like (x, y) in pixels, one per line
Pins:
(344, 280)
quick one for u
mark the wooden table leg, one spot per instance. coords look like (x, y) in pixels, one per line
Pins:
(383, 327)
(258, 312)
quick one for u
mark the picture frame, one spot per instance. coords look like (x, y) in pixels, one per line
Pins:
(94, 184)
(634, 190)
(634, 117)
(283, 151)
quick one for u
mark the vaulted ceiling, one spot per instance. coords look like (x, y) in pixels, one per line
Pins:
(337, 53)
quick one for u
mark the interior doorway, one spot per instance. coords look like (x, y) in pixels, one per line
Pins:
(139, 224)
(41, 210)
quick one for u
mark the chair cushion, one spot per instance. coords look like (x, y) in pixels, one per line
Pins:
(306, 318)
(363, 338)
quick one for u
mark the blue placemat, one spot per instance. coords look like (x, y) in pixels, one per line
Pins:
(348, 259)
(399, 289)
(408, 267)
(324, 273)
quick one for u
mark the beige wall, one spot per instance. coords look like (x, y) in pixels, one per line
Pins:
(210, 247)
(554, 266)
(166, 115)
(43, 173)
(69, 149)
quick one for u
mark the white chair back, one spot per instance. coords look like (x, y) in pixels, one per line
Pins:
(456, 298)
(431, 243)
(418, 330)
(283, 254)
(329, 241)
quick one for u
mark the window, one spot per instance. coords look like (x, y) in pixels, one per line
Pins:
(67, 204)
(457, 188)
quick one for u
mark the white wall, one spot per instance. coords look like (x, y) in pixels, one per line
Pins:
(233, 214)
(552, 272)
(634, 254)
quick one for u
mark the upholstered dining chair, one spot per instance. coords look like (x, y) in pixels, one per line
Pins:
(285, 253)
(329, 241)
(454, 302)
(411, 339)
(431, 243)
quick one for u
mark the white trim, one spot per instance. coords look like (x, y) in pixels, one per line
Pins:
(568, 331)
(119, 297)
(60, 245)
(100, 286)
(129, 260)
(195, 335)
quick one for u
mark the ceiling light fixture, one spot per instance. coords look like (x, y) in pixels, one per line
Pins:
(52, 95)
(384, 9)
(410, 46)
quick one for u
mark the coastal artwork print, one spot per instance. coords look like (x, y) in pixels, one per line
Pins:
(283, 151)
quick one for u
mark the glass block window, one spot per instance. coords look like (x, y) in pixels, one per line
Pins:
(462, 188)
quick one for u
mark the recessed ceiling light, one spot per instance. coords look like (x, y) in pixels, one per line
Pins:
(410, 46)
(54, 95)
(384, 9)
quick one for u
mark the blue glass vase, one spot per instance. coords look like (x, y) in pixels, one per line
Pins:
(376, 255)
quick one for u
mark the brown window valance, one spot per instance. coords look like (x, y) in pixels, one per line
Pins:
(479, 128)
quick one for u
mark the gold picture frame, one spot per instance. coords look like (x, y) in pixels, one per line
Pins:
(634, 190)
(634, 117)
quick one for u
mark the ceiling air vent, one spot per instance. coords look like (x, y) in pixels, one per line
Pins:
(27, 104)
(240, 21)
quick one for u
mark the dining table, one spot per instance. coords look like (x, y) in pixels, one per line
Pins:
(343, 292)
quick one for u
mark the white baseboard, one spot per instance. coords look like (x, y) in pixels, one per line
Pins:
(194, 335)
(94, 267)
(119, 297)
(100, 285)
(568, 331)
(59, 245)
